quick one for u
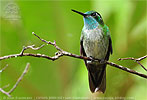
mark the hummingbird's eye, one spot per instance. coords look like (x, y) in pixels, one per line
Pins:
(94, 14)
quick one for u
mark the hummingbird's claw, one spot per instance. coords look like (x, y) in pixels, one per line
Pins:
(92, 59)
(102, 61)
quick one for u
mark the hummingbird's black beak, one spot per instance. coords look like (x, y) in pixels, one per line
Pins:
(79, 13)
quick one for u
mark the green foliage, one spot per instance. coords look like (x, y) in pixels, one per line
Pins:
(54, 20)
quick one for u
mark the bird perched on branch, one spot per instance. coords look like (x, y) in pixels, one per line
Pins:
(95, 43)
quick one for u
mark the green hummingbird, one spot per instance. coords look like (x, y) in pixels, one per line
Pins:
(96, 43)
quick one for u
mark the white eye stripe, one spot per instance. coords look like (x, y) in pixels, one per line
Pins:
(95, 14)
(98, 15)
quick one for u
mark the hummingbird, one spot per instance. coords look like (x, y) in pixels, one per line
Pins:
(95, 42)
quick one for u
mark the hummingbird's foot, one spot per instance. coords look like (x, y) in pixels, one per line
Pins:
(92, 59)
(102, 61)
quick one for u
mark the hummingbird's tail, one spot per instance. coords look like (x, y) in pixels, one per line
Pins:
(97, 77)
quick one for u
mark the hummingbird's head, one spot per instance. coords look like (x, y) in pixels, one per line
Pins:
(91, 19)
(96, 16)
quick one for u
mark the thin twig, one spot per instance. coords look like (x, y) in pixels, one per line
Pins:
(31, 47)
(141, 58)
(48, 42)
(126, 69)
(131, 58)
(136, 60)
(5, 86)
(5, 92)
(3, 68)
(17, 82)
(20, 78)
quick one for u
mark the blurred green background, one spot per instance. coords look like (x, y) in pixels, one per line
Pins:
(68, 77)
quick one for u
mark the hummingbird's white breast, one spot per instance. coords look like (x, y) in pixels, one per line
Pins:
(95, 43)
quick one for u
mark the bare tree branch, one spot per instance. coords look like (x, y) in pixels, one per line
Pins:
(31, 47)
(5, 86)
(3, 68)
(61, 53)
(17, 82)
(48, 42)
(6, 93)
(136, 60)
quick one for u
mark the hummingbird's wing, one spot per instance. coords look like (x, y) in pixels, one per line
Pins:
(110, 50)
(82, 51)
(110, 45)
